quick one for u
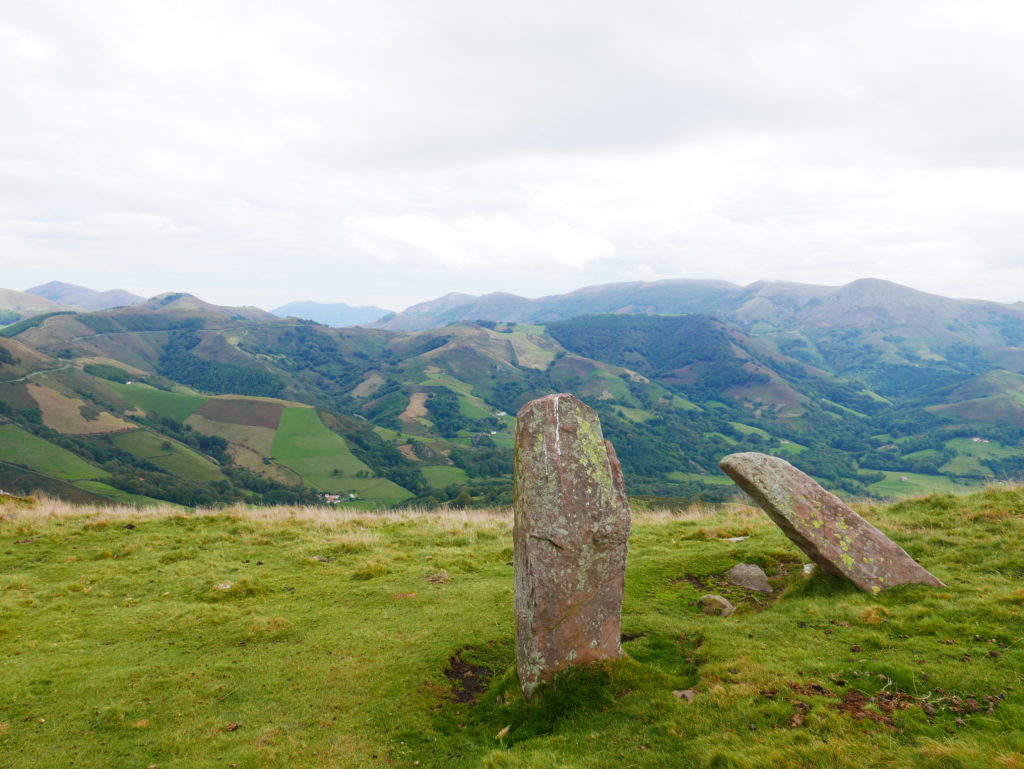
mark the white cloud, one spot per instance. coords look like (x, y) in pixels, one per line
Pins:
(404, 149)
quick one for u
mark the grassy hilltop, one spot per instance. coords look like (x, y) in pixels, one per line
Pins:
(304, 637)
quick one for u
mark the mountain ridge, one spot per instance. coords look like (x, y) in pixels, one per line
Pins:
(335, 314)
(82, 297)
(677, 296)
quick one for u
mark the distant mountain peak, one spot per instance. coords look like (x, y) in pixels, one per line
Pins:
(82, 297)
(336, 314)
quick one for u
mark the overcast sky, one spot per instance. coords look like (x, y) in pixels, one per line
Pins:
(387, 152)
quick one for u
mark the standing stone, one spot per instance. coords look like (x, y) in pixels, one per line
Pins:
(830, 533)
(571, 530)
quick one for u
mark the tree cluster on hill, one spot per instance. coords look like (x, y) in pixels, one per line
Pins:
(178, 362)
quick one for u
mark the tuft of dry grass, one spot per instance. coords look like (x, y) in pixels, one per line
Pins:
(446, 519)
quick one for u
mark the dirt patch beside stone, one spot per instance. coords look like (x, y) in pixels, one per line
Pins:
(469, 681)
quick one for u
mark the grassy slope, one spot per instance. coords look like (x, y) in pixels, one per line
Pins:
(440, 476)
(20, 447)
(169, 456)
(119, 496)
(916, 484)
(207, 641)
(177, 406)
(306, 446)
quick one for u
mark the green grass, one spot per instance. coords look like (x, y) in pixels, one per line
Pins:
(169, 456)
(844, 409)
(683, 403)
(916, 484)
(203, 642)
(634, 415)
(967, 467)
(434, 377)
(22, 448)
(471, 408)
(119, 496)
(923, 454)
(305, 445)
(504, 440)
(17, 327)
(174, 405)
(791, 449)
(990, 450)
(750, 430)
(528, 353)
(441, 476)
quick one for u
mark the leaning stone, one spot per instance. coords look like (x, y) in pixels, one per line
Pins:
(749, 576)
(819, 523)
(571, 530)
(715, 604)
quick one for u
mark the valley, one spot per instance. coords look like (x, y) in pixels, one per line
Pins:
(875, 389)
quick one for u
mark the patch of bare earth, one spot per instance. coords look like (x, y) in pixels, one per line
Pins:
(469, 681)
(417, 407)
(72, 415)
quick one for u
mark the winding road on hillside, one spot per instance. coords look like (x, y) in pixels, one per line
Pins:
(36, 373)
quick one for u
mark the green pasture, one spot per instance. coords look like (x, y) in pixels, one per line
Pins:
(633, 414)
(982, 450)
(168, 455)
(444, 475)
(20, 447)
(528, 353)
(750, 430)
(324, 460)
(473, 408)
(916, 484)
(183, 641)
(173, 405)
(790, 449)
(969, 467)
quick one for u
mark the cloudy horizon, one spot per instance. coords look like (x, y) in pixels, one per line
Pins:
(388, 153)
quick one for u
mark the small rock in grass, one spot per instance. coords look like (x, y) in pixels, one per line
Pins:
(715, 604)
(685, 694)
(810, 568)
(749, 576)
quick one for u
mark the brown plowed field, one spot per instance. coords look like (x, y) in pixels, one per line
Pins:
(242, 412)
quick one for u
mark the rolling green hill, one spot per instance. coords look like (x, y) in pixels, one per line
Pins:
(863, 386)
